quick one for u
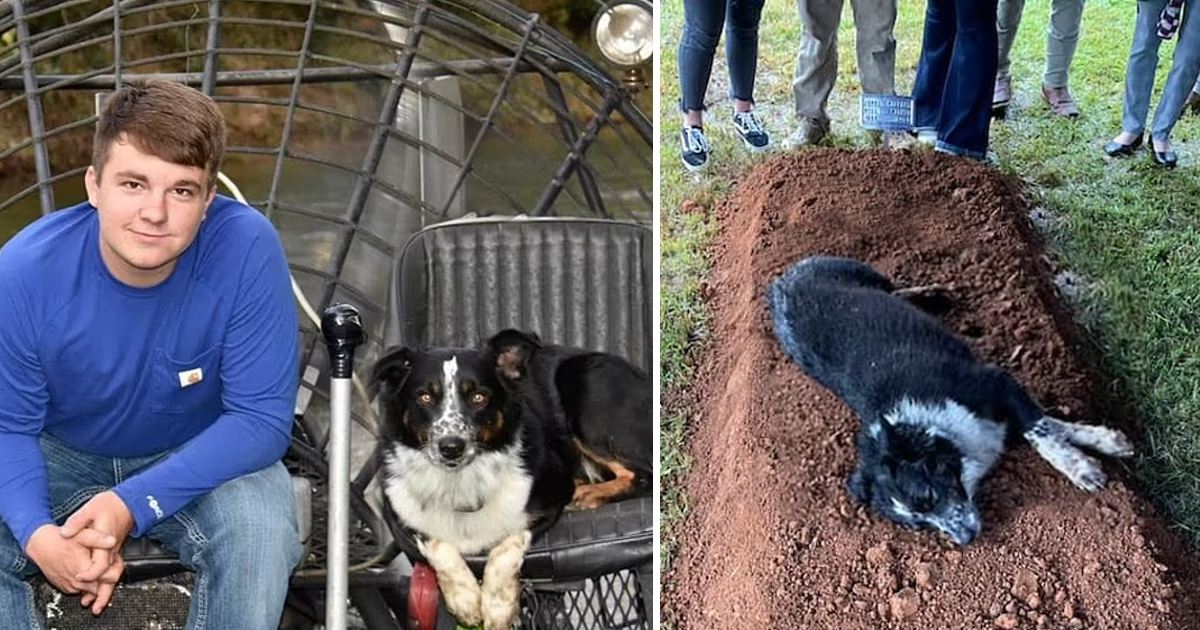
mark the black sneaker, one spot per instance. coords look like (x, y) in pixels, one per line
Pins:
(695, 148)
(751, 131)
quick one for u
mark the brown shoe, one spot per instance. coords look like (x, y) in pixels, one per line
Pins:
(809, 132)
(1060, 101)
(1001, 96)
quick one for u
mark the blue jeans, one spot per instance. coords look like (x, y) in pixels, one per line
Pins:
(956, 73)
(702, 22)
(241, 540)
(1143, 62)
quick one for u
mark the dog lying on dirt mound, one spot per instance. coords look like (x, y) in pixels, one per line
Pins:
(486, 446)
(934, 419)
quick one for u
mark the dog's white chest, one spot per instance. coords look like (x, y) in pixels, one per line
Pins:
(472, 508)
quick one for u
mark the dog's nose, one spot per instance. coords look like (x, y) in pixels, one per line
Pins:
(452, 447)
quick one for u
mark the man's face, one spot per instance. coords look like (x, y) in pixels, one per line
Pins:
(149, 211)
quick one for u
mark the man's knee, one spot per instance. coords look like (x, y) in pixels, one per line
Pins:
(253, 519)
(269, 548)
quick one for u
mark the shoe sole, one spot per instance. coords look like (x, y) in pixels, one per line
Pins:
(694, 169)
(754, 149)
(1000, 111)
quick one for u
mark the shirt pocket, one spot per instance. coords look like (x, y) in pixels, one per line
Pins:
(190, 386)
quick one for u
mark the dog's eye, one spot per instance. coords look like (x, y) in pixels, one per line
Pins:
(478, 398)
(425, 398)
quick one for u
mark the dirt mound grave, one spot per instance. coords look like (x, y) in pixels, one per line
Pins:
(773, 537)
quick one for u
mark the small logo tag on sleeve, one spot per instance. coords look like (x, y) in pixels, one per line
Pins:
(190, 377)
(158, 513)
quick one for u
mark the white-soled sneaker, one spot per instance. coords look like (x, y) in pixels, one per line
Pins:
(750, 129)
(695, 148)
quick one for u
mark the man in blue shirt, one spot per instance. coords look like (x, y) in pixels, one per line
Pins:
(148, 372)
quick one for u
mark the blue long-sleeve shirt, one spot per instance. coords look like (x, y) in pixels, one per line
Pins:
(203, 365)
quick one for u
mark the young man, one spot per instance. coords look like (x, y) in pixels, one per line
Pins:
(1061, 39)
(816, 61)
(148, 360)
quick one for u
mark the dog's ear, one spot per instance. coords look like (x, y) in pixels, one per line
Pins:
(391, 370)
(512, 350)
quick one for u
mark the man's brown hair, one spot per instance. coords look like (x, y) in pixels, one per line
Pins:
(165, 119)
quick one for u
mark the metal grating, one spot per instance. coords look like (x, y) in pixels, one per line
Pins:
(613, 601)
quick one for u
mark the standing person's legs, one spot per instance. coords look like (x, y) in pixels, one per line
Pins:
(73, 478)
(874, 44)
(1139, 72)
(1008, 21)
(702, 22)
(741, 48)
(937, 46)
(242, 541)
(816, 61)
(1185, 66)
(1062, 38)
(966, 108)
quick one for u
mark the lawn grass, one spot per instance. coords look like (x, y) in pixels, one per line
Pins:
(1130, 229)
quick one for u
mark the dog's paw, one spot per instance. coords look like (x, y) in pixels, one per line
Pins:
(459, 589)
(1103, 440)
(587, 497)
(465, 605)
(1089, 479)
(1052, 444)
(1113, 443)
(501, 602)
(499, 610)
(1083, 471)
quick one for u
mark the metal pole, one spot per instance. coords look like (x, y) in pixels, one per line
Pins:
(214, 42)
(33, 102)
(343, 332)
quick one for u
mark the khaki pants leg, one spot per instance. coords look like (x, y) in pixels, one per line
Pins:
(1008, 20)
(816, 61)
(874, 21)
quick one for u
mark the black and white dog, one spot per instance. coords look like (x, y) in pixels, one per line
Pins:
(934, 420)
(486, 446)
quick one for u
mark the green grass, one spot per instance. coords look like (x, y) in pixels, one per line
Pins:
(1132, 230)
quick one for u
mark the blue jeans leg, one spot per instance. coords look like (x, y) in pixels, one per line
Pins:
(72, 478)
(966, 113)
(1184, 69)
(17, 608)
(937, 47)
(242, 541)
(702, 21)
(1143, 61)
(741, 46)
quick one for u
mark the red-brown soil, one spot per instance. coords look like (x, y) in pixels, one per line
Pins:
(773, 540)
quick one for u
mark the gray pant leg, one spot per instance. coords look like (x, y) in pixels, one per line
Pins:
(874, 21)
(816, 61)
(1061, 40)
(1008, 20)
